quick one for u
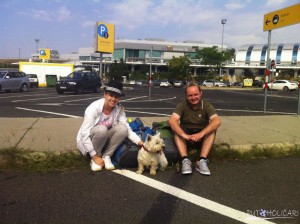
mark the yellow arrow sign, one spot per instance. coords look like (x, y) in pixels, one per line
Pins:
(283, 17)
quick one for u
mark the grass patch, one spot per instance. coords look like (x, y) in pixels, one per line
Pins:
(26, 160)
(32, 161)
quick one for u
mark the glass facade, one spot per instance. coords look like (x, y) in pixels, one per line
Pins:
(278, 53)
(118, 54)
(248, 54)
(263, 55)
(295, 53)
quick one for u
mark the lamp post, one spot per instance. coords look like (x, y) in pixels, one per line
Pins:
(36, 45)
(223, 22)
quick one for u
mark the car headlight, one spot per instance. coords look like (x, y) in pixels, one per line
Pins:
(72, 83)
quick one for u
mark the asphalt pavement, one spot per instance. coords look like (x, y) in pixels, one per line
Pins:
(239, 132)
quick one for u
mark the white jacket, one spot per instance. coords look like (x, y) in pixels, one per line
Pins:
(92, 115)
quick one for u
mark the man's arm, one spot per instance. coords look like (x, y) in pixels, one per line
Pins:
(213, 125)
(174, 124)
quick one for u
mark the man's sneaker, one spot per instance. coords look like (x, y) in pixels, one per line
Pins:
(108, 164)
(186, 166)
(202, 167)
(95, 166)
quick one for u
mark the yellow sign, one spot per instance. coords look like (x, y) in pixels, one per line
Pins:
(44, 53)
(284, 17)
(104, 37)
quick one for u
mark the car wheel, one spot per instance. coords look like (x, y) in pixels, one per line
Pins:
(59, 91)
(24, 88)
(285, 88)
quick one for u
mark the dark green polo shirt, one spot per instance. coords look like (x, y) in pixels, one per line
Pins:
(198, 118)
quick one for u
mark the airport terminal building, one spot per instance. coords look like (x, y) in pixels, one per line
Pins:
(157, 53)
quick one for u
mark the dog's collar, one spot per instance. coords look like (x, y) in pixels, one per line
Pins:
(158, 152)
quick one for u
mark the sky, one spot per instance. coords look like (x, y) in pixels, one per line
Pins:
(67, 25)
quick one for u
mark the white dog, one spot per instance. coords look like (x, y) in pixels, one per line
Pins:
(152, 155)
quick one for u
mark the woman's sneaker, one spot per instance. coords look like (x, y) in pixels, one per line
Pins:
(95, 166)
(202, 167)
(108, 164)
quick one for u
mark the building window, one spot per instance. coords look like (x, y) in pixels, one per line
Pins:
(248, 54)
(278, 54)
(263, 55)
(295, 53)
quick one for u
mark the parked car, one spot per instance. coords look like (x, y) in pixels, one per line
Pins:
(33, 80)
(132, 82)
(211, 82)
(284, 85)
(257, 83)
(178, 84)
(227, 83)
(156, 82)
(140, 82)
(165, 83)
(237, 84)
(78, 82)
(13, 80)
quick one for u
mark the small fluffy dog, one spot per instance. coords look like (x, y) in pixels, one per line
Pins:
(152, 155)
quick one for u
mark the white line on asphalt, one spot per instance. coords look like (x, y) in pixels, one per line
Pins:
(140, 112)
(192, 198)
(171, 98)
(125, 100)
(256, 111)
(14, 101)
(48, 112)
(82, 99)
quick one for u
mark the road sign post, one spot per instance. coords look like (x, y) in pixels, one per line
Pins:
(273, 20)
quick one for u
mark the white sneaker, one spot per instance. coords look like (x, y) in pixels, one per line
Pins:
(108, 164)
(95, 166)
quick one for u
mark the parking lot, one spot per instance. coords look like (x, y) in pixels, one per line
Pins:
(142, 102)
(265, 188)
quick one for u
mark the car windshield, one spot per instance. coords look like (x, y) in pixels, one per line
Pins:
(74, 75)
(2, 74)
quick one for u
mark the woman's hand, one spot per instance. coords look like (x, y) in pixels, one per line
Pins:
(141, 144)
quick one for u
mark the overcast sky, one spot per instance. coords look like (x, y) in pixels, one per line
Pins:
(66, 25)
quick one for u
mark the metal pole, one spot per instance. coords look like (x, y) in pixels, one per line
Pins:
(298, 99)
(223, 22)
(100, 67)
(267, 67)
(150, 74)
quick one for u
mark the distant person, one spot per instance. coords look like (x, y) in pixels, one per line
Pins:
(104, 128)
(194, 122)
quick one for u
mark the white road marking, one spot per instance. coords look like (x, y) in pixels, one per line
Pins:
(48, 112)
(192, 198)
(256, 111)
(14, 101)
(144, 101)
(83, 99)
(140, 112)
(125, 100)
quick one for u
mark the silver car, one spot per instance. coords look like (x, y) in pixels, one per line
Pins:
(13, 80)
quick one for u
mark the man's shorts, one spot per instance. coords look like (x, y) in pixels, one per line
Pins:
(191, 131)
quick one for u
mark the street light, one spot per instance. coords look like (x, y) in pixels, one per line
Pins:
(223, 22)
(36, 45)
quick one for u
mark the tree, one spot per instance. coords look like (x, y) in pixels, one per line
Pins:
(179, 66)
(118, 70)
(228, 55)
(210, 56)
